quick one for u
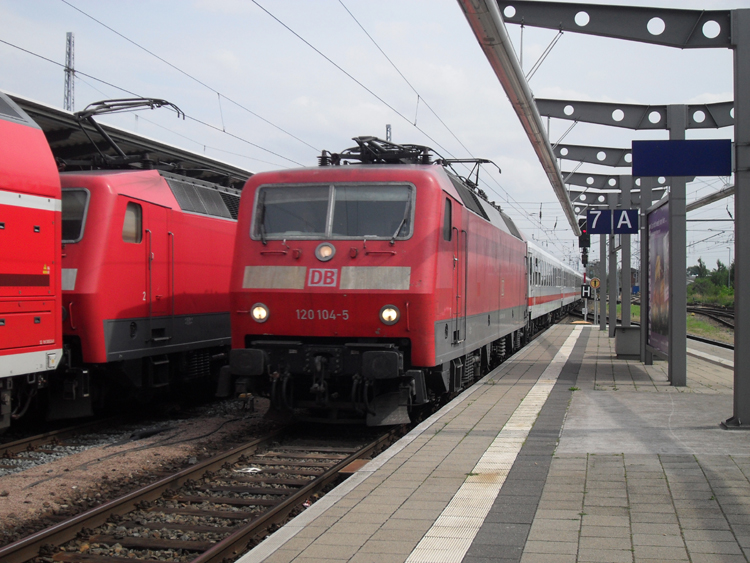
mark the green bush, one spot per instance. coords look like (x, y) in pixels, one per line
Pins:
(710, 287)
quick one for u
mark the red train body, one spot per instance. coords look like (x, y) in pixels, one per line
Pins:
(364, 291)
(143, 281)
(30, 323)
(138, 301)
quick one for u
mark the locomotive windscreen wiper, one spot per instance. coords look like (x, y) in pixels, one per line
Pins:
(406, 216)
(262, 219)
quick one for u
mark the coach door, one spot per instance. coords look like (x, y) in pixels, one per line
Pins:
(526, 280)
(460, 271)
(158, 266)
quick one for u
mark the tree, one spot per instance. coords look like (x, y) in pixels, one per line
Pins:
(720, 276)
(700, 270)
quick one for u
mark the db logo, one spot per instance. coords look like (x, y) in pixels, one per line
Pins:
(322, 278)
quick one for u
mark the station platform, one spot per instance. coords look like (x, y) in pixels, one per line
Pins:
(562, 454)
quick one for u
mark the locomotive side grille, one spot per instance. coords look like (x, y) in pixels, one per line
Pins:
(471, 201)
(186, 196)
(511, 226)
(232, 202)
(214, 203)
(194, 197)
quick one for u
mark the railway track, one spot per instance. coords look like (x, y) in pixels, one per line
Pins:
(689, 336)
(722, 316)
(39, 449)
(206, 513)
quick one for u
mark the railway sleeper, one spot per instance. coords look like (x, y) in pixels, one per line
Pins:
(202, 512)
(182, 526)
(152, 543)
(87, 558)
(273, 481)
(246, 490)
(230, 501)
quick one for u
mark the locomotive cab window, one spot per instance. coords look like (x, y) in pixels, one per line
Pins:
(292, 211)
(361, 211)
(75, 204)
(132, 227)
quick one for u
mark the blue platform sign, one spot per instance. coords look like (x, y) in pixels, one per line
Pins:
(599, 221)
(625, 221)
(712, 157)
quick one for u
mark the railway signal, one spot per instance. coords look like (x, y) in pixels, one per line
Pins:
(584, 241)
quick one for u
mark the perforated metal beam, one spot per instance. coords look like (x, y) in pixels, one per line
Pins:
(635, 116)
(606, 156)
(685, 29)
(601, 181)
(487, 24)
(592, 198)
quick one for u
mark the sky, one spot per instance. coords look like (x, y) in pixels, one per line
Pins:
(269, 84)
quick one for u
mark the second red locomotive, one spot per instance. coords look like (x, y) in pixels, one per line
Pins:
(365, 291)
(116, 285)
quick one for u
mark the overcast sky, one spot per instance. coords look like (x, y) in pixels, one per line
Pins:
(270, 84)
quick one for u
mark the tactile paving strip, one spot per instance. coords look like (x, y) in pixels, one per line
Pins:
(466, 512)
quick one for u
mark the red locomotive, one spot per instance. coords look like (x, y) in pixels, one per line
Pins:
(30, 312)
(365, 291)
(145, 265)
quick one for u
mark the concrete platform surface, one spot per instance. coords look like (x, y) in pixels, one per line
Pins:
(562, 454)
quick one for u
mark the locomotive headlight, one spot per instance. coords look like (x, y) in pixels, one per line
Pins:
(389, 314)
(259, 312)
(325, 252)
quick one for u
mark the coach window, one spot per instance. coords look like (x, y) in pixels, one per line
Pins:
(447, 221)
(132, 228)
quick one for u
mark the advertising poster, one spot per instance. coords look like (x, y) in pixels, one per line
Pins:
(658, 274)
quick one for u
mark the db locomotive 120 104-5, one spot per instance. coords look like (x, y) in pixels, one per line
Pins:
(378, 283)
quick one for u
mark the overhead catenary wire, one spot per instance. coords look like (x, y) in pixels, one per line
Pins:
(350, 76)
(121, 89)
(517, 206)
(401, 74)
(420, 98)
(190, 76)
(173, 132)
(280, 22)
(508, 197)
